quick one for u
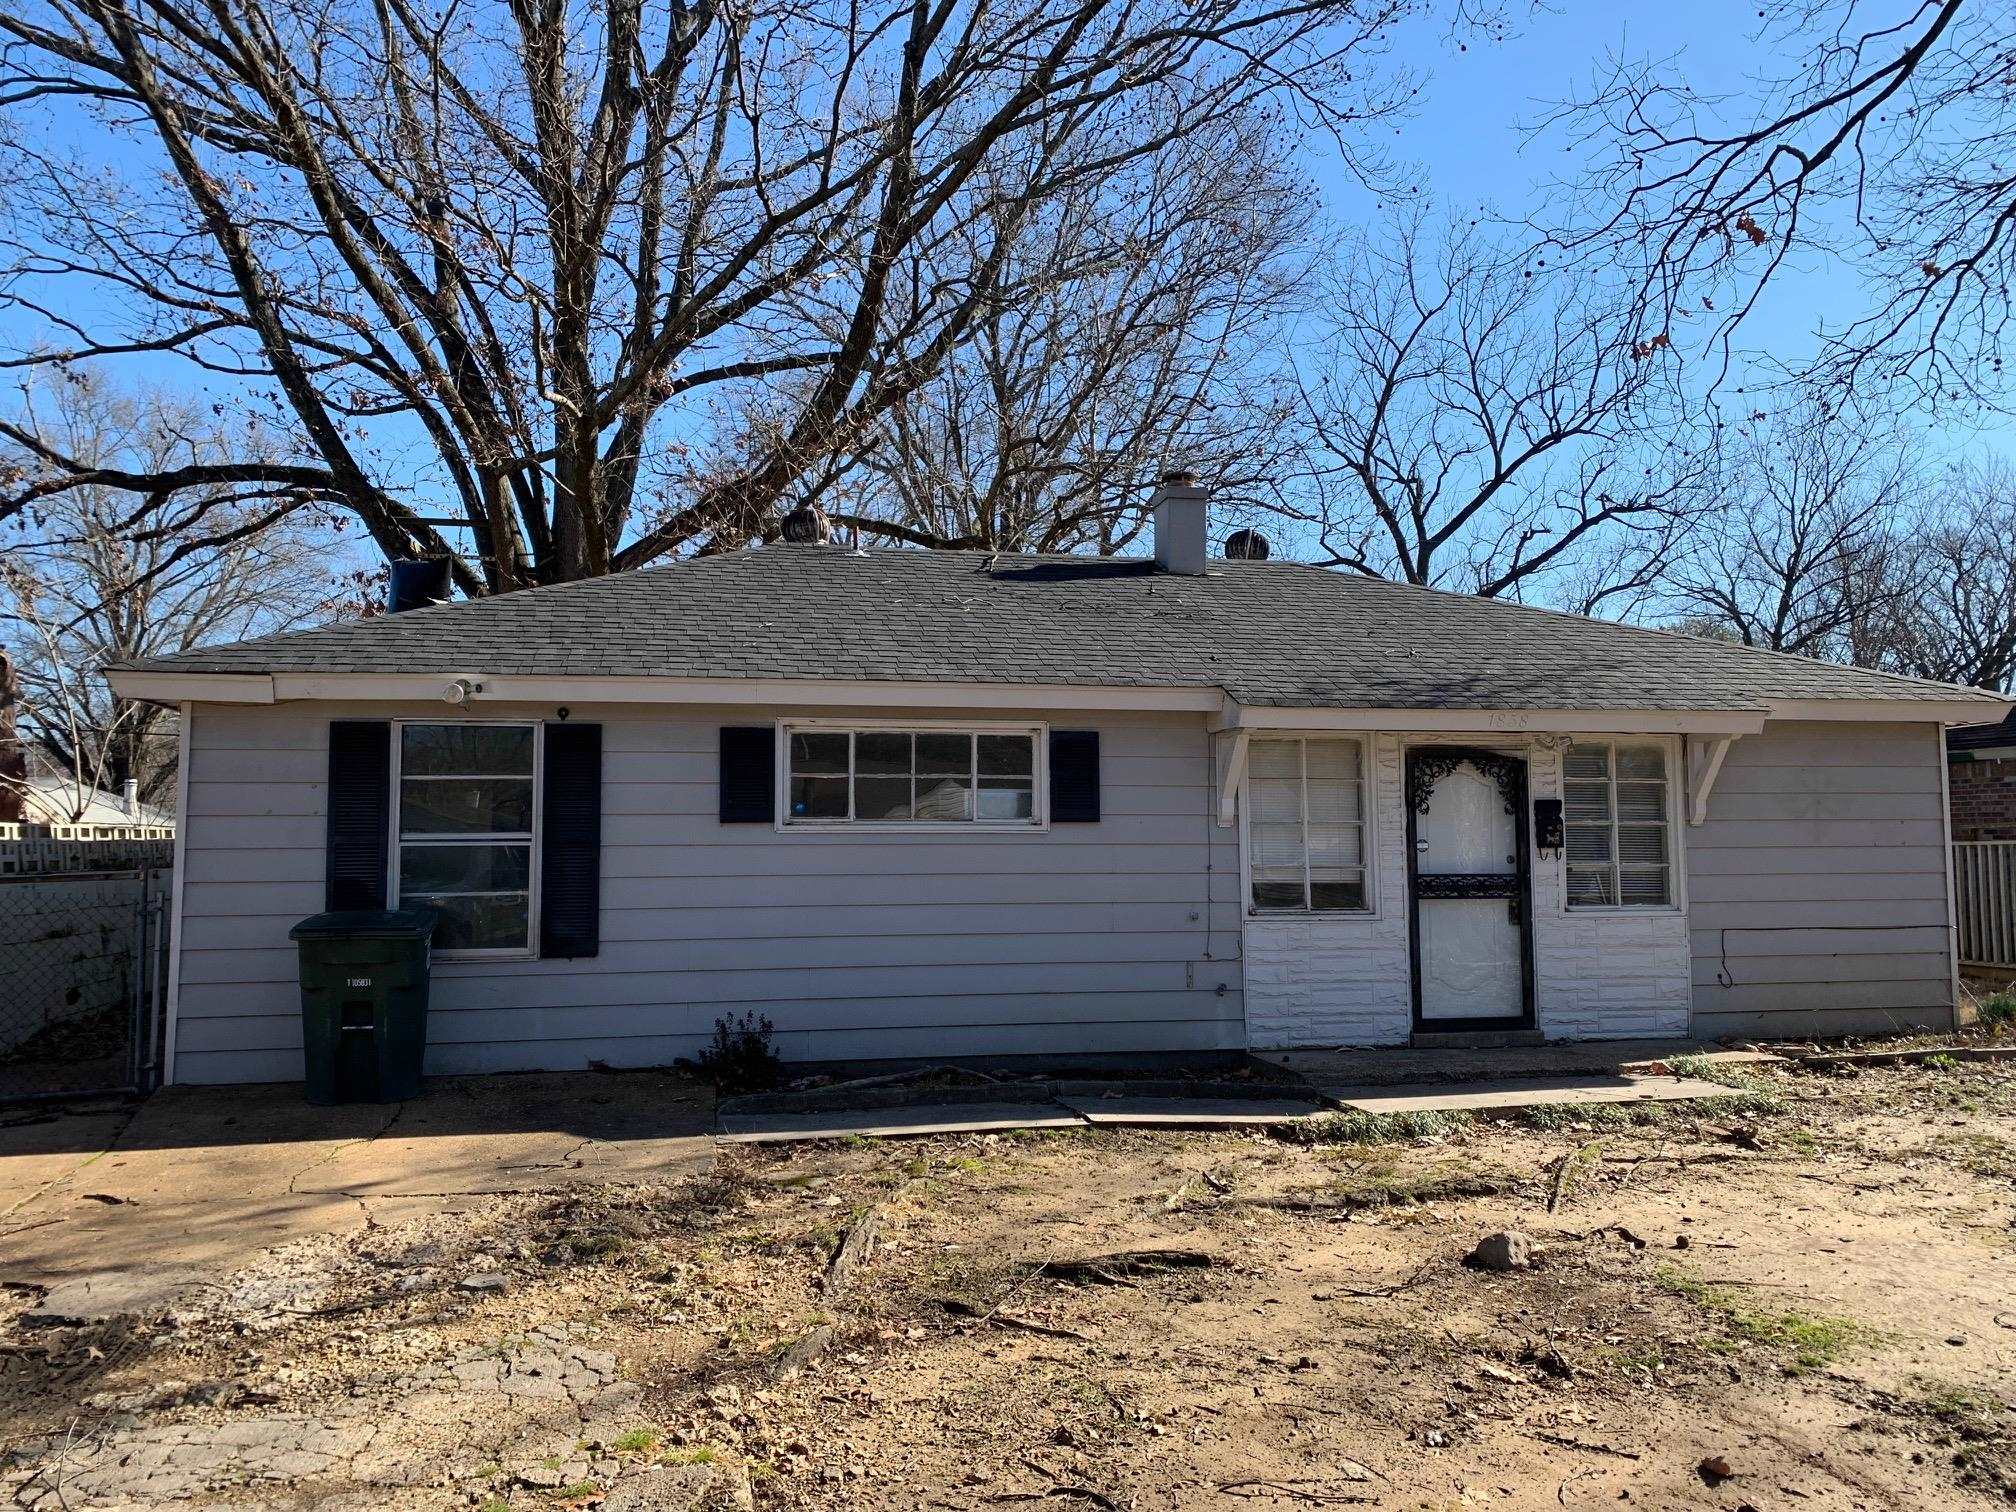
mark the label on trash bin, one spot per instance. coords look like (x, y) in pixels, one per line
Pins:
(358, 982)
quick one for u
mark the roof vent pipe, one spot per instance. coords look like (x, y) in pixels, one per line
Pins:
(1179, 506)
(807, 525)
(1247, 546)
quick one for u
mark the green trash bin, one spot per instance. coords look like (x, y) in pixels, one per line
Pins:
(364, 1002)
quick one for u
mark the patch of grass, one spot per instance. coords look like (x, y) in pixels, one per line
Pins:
(1981, 1154)
(1998, 1012)
(486, 1471)
(1941, 1062)
(637, 1441)
(697, 1454)
(1553, 1117)
(493, 1504)
(551, 1462)
(1812, 1340)
(576, 1491)
(1353, 1127)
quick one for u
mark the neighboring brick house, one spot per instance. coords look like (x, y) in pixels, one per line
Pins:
(1981, 780)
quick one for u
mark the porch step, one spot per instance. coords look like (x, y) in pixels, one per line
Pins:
(1489, 1039)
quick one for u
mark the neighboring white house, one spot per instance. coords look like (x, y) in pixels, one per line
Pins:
(913, 803)
(53, 801)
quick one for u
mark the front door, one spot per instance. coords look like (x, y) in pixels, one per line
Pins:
(1469, 889)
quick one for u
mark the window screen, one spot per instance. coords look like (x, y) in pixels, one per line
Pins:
(1305, 825)
(1619, 825)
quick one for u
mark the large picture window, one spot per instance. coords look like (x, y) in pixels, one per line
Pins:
(1306, 826)
(911, 777)
(465, 822)
(1620, 829)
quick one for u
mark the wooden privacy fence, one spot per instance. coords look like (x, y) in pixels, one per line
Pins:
(1984, 895)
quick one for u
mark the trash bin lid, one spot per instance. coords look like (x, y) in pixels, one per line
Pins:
(367, 924)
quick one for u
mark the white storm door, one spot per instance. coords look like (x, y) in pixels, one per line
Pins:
(1469, 901)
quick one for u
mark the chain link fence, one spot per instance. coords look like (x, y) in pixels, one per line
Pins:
(83, 977)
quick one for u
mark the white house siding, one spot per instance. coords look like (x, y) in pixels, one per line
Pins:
(1116, 936)
(1819, 884)
(1343, 979)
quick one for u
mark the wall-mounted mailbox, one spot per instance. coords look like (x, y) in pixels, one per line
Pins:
(1547, 826)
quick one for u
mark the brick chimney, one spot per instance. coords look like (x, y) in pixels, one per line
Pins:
(1179, 506)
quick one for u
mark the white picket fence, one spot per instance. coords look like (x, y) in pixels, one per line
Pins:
(1984, 895)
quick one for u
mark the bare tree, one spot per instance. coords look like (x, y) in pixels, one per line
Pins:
(1953, 614)
(1153, 306)
(104, 580)
(1478, 421)
(608, 281)
(1803, 555)
(1888, 144)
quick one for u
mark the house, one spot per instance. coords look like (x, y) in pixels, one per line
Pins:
(910, 803)
(60, 804)
(1981, 776)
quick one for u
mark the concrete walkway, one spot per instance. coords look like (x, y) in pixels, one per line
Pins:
(212, 1176)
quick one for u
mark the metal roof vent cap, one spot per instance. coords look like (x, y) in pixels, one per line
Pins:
(807, 525)
(1247, 546)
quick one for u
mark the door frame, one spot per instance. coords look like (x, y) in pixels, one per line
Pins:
(1512, 774)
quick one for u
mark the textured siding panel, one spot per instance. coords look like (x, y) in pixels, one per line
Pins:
(1118, 936)
(1818, 884)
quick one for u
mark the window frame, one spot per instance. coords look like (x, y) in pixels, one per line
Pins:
(529, 951)
(1368, 824)
(1039, 803)
(1676, 868)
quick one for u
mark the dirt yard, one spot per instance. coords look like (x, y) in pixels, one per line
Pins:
(1796, 1298)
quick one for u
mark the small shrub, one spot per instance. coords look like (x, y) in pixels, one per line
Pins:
(1999, 1012)
(740, 1057)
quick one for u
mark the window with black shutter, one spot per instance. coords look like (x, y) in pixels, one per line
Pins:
(748, 777)
(570, 842)
(359, 818)
(1074, 776)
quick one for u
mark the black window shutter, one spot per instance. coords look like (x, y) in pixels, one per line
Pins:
(748, 774)
(570, 859)
(360, 812)
(1074, 776)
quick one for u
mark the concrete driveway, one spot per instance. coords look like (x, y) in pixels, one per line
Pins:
(209, 1177)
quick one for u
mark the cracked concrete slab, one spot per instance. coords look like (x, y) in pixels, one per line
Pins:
(549, 1383)
(1191, 1112)
(212, 1176)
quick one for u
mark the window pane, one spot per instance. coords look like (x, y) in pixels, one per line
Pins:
(818, 797)
(1641, 763)
(1591, 887)
(944, 797)
(1641, 844)
(944, 755)
(465, 750)
(1642, 801)
(882, 797)
(884, 753)
(1334, 785)
(1586, 763)
(1646, 888)
(1274, 782)
(1006, 798)
(492, 923)
(464, 868)
(470, 805)
(1588, 842)
(1278, 891)
(816, 753)
(1345, 891)
(1276, 845)
(1587, 801)
(1007, 756)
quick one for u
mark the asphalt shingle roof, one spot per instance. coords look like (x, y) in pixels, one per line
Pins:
(1268, 633)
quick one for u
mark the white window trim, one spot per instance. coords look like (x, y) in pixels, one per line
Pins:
(530, 950)
(1039, 735)
(1368, 779)
(1676, 839)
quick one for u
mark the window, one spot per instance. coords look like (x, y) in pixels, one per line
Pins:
(905, 777)
(1619, 825)
(465, 820)
(1306, 825)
